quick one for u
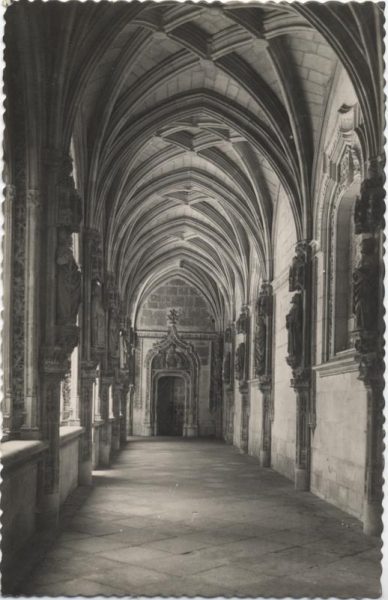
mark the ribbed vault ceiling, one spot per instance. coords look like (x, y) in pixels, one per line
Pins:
(191, 119)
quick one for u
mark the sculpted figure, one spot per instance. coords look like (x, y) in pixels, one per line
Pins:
(365, 288)
(68, 280)
(297, 275)
(294, 324)
(369, 208)
(240, 362)
(242, 322)
(97, 316)
(260, 346)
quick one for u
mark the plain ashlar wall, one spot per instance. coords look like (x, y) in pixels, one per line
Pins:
(19, 490)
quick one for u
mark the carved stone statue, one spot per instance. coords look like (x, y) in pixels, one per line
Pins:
(294, 324)
(97, 316)
(242, 322)
(68, 280)
(239, 364)
(369, 208)
(365, 287)
(297, 274)
(228, 335)
(264, 301)
(260, 346)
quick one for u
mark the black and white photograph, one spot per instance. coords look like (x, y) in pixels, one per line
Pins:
(192, 299)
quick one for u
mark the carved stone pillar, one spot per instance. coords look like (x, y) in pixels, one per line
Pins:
(129, 413)
(31, 426)
(123, 414)
(54, 367)
(263, 367)
(10, 195)
(228, 375)
(242, 373)
(368, 311)
(88, 377)
(298, 323)
(216, 393)
(230, 416)
(117, 391)
(244, 429)
(106, 430)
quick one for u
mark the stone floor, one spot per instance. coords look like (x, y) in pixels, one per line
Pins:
(180, 517)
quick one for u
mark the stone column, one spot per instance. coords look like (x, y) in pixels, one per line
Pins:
(242, 375)
(30, 428)
(106, 431)
(263, 367)
(244, 431)
(298, 323)
(117, 391)
(266, 430)
(88, 377)
(10, 194)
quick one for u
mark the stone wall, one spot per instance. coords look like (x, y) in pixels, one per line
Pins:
(194, 316)
(68, 461)
(339, 442)
(194, 312)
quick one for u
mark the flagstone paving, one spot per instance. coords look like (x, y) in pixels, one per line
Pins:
(178, 517)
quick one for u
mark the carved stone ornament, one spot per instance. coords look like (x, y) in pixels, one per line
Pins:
(264, 301)
(228, 335)
(68, 297)
(365, 287)
(69, 201)
(94, 251)
(243, 321)
(97, 316)
(239, 364)
(369, 207)
(298, 269)
(173, 317)
(294, 324)
(260, 346)
(349, 165)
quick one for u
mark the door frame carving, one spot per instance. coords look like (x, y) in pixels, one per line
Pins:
(188, 369)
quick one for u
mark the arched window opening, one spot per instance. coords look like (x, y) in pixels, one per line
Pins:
(343, 257)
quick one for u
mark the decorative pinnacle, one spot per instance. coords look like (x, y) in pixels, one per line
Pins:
(173, 317)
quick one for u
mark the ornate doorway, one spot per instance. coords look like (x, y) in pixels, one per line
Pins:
(172, 358)
(170, 405)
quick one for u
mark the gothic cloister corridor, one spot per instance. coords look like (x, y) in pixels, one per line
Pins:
(177, 516)
(193, 340)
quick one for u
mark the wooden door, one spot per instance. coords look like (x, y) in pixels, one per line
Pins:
(170, 405)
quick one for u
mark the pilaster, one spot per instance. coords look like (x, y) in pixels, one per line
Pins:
(263, 367)
(298, 323)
